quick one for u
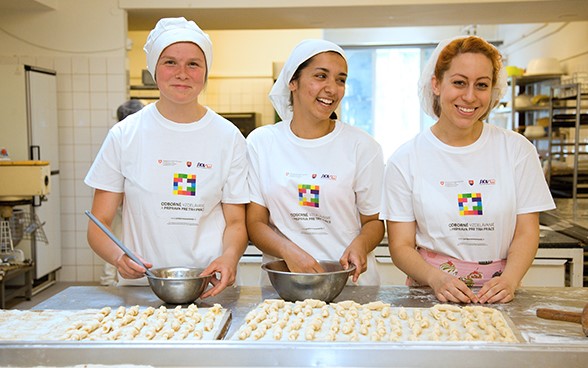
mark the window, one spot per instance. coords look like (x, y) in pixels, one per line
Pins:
(381, 95)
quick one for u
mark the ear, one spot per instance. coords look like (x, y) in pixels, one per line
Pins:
(293, 85)
(435, 85)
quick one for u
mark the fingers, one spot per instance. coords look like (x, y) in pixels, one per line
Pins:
(129, 269)
(452, 289)
(496, 290)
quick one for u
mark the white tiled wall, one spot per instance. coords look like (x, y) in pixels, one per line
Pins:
(89, 89)
(240, 95)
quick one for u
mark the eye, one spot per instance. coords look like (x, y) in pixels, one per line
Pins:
(459, 83)
(483, 86)
(342, 80)
(321, 75)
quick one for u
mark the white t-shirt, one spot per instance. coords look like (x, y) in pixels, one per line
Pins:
(465, 199)
(315, 189)
(174, 178)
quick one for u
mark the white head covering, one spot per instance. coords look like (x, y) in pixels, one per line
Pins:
(425, 85)
(280, 93)
(171, 30)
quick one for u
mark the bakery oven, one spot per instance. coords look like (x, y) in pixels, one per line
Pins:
(245, 121)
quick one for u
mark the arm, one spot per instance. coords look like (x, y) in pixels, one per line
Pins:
(272, 243)
(371, 234)
(402, 245)
(521, 253)
(104, 208)
(234, 245)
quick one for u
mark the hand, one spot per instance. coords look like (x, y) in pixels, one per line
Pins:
(497, 290)
(356, 255)
(448, 288)
(299, 261)
(129, 269)
(226, 268)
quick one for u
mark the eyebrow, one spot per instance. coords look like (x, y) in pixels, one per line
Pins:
(327, 70)
(465, 77)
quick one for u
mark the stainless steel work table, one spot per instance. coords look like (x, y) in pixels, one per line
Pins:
(549, 343)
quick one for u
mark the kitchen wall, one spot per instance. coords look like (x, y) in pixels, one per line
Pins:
(86, 43)
(241, 73)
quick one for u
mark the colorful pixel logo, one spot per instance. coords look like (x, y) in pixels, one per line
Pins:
(470, 204)
(308, 195)
(185, 184)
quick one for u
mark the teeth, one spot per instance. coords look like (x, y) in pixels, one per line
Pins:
(325, 101)
(466, 109)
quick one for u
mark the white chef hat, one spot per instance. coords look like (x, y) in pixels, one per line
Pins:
(280, 93)
(425, 85)
(172, 30)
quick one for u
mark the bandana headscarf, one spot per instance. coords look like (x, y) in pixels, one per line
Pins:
(425, 85)
(172, 30)
(280, 93)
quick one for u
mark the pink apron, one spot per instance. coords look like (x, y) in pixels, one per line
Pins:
(474, 274)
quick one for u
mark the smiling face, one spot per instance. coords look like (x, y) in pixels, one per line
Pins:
(181, 73)
(465, 90)
(319, 87)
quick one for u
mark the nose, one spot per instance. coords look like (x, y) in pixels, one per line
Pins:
(469, 94)
(181, 74)
(331, 86)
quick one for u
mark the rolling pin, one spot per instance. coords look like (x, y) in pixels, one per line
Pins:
(559, 315)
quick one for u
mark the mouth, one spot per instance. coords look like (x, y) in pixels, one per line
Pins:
(466, 110)
(325, 101)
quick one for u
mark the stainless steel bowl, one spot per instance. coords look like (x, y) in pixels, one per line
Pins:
(292, 286)
(178, 285)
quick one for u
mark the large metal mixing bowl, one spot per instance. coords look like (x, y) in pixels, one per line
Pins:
(292, 286)
(178, 285)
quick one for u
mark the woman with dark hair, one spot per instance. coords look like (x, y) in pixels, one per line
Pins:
(462, 199)
(315, 181)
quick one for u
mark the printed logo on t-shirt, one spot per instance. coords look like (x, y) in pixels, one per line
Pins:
(470, 204)
(308, 195)
(185, 184)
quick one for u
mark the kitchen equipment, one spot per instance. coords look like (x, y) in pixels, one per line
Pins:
(543, 66)
(523, 101)
(117, 242)
(30, 133)
(24, 179)
(178, 285)
(293, 286)
(514, 71)
(560, 315)
(534, 131)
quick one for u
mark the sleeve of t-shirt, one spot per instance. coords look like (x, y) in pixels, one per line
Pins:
(105, 172)
(397, 191)
(235, 189)
(368, 181)
(253, 175)
(532, 191)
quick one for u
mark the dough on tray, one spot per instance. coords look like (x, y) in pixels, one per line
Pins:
(312, 320)
(121, 324)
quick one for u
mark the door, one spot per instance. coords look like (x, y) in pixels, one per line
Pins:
(44, 145)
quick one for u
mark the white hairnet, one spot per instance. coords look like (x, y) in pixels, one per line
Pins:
(280, 93)
(425, 86)
(171, 30)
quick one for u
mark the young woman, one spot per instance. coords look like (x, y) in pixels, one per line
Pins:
(462, 199)
(180, 167)
(315, 182)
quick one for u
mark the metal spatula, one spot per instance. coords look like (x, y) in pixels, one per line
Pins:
(118, 242)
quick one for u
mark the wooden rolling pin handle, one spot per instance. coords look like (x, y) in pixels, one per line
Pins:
(559, 315)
